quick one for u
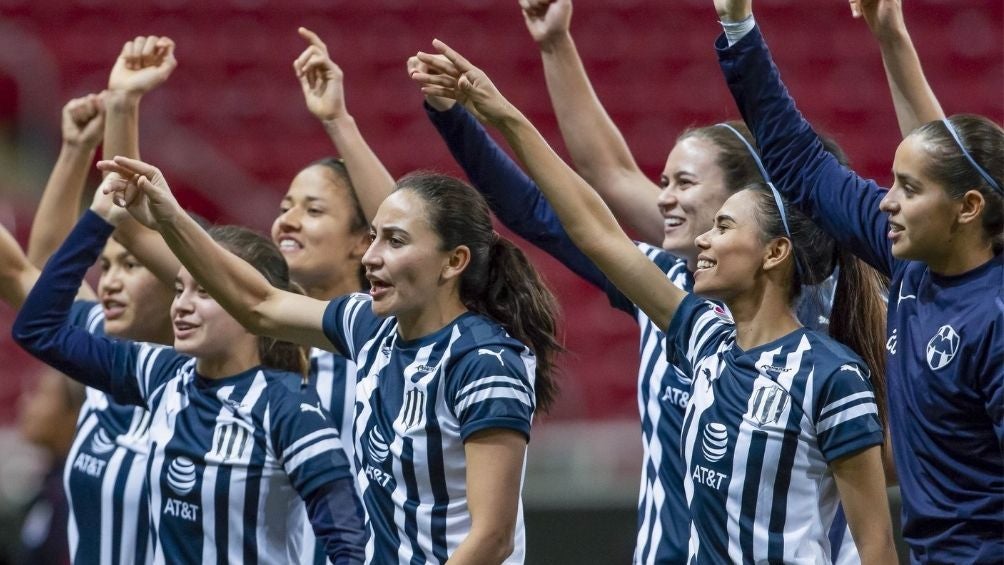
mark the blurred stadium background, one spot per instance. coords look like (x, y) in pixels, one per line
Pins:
(230, 130)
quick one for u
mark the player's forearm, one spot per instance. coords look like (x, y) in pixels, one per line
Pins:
(121, 124)
(59, 207)
(913, 98)
(370, 178)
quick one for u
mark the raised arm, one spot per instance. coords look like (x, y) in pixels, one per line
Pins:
(82, 126)
(244, 292)
(912, 96)
(322, 82)
(860, 481)
(144, 64)
(17, 274)
(845, 205)
(598, 150)
(587, 220)
(512, 195)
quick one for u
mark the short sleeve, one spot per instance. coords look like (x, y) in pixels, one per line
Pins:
(306, 441)
(846, 418)
(696, 331)
(491, 387)
(349, 322)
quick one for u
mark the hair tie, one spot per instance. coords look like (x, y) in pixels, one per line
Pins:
(983, 172)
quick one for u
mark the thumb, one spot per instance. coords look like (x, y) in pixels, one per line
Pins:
(458, 60)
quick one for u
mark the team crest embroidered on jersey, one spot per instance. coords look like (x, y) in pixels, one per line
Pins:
(231, 441)
(716, 441)
(413, 409)
(181, 475)
(942, 347)
(767, 404)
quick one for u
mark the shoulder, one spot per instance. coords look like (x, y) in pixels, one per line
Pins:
(833, 360)
(483, 345)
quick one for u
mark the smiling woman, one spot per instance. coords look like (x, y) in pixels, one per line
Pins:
(454, 347)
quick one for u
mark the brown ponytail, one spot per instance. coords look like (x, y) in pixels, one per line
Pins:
(262, 254)
(499, 281)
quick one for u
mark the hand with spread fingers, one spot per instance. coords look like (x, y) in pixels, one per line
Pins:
(143, 64)
(83, 121)
(546, 19)
(141, 189)
(414, 65)
(320, 78)
(453, 76)
(103, 203)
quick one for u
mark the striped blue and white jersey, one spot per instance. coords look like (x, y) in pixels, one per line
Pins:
(759, 434)
(417, 401)
(333, 377)
(663, 392)
(105, 473)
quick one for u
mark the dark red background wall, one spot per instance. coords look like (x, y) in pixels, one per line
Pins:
(229, 128)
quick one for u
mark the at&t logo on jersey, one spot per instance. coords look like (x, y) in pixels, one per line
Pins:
(942, 347)
(714, 444)
(675, 396)
(181, 477)
(378, 451)
(89, 465)
(101, 443)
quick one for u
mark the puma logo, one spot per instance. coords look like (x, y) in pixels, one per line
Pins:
(498, 355)
(854, 369)
(304, 407)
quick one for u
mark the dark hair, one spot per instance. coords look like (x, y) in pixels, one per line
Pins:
(262, 254)
(336, 167)
(948, 166)
(738, 167)
(499, 281)
(858, 314)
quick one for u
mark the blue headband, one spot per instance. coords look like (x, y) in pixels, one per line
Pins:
(983, 173)
(766, 178)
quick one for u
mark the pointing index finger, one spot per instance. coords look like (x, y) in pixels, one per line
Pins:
(458, 60)
(313, 38)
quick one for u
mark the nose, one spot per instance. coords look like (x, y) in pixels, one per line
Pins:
(889, 204)
(667, 198)
(110, 281)
(702, 241)
(182, 302)
(371, 259)
(290, 219)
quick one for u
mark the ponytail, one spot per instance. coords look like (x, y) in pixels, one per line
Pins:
(858, 319)
(515, 296)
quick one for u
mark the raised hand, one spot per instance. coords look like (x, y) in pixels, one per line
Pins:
(103, 203)
(884, 17)
(455, 77)
(546, 19)
(440, 103)
(83, 121)
(320, 78)
(733, 10)
(143, 64)
(141, 189)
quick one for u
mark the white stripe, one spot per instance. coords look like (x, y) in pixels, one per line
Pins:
(845, 400)
(488, 380)
(849, 414)
(131, 500)
(495, 392)
(107, 497)
(331, 444)
(307, 439)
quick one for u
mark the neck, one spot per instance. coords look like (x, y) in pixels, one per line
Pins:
(238, 358)
(762, 316)
(327, 289)
(431, 318)
(960, 255)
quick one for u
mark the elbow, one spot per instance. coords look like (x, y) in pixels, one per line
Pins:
(26, 335)
(495, 545)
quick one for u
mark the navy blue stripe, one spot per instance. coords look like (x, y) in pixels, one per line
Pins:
(221, 518)
(751, 491)
(118, 494)
(411, 504)
(143, 526)
(437, 475)
(837, 529)
(252, 495)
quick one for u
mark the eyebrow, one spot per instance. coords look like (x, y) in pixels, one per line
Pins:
(724, 218)
(391, 229)
(903, 177)
(307, 198)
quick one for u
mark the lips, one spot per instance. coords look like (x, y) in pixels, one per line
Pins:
(113, 309)
(378, 287)
(672, 222)
(704, 262)
(289, 244)
(183, 329)
(894, 231)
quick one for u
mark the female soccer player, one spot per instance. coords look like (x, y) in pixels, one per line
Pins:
(454, 345)
(781, 420)
(704, 168)
(236, 441)
(937, 233)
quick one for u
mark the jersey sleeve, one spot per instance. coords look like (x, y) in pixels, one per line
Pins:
(672, 266)
(493, 388)
(89, 315)
(695, 332)
(846, 414)
(349, 322)
(511, 194)
(845, 205)
(44, 327)
(305, 439)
